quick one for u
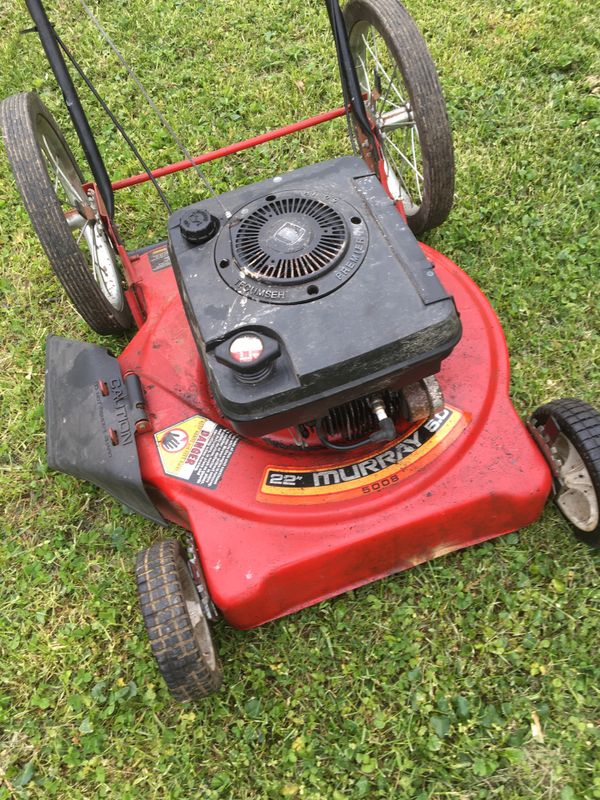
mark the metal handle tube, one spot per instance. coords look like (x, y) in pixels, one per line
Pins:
(350, 83)
(72, 102)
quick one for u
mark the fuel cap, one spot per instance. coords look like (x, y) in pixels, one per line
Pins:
(199, 226)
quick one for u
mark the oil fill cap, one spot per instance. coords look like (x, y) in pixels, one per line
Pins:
(246, 349)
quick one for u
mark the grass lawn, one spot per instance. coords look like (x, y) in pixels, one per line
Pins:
(474, 676)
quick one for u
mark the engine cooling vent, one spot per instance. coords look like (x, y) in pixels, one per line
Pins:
(355, 420)
(290, 239)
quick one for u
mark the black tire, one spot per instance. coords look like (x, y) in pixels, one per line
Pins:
(184, 650)
(409, 53)
(25, 120)
(570, 434)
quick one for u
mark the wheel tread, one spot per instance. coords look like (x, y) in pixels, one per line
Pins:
(178, 656)
(409, 48)
(17, 115)
(580, 422)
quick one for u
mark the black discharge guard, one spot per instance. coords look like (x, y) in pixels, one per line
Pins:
(89, 405)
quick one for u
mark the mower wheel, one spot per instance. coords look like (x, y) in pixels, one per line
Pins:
(404, 100)
(569, 433)
(63, 214)
(177, 626)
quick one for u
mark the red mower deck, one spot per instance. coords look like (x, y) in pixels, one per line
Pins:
(278, 529)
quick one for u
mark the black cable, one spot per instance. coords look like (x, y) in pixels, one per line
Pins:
(325, 441)
(115, 121)
(163, 120)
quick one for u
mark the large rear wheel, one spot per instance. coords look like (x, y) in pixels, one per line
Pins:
(64, 216)
(405, 102)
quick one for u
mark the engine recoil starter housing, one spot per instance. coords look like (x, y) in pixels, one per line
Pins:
(311, 292)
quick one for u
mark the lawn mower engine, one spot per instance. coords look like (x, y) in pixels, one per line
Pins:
(313, 307)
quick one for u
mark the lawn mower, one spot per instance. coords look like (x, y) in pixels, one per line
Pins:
(315, 397)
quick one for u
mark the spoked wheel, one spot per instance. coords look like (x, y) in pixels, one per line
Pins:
(176, 622)
(405, 102)
(63, 215)
(569, 434)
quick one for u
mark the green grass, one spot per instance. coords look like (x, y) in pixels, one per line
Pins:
(422, 686)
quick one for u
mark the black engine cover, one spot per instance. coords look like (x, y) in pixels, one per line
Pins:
(319, 265)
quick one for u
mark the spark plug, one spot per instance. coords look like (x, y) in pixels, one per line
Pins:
(387, 429)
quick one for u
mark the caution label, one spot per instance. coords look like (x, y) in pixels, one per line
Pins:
(380, 471)
(196, 450)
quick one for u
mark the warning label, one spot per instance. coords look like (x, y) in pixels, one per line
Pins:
(378, 472)
(159, 258)
(196, 450)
